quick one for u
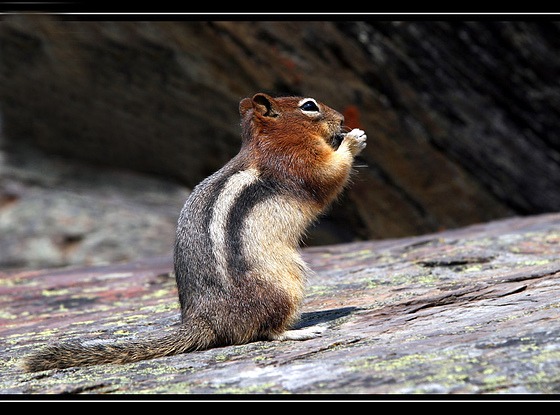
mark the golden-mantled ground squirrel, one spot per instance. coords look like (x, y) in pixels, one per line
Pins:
(239, 274)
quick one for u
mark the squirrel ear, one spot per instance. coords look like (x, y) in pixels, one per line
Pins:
(245, 105)
(264, 105)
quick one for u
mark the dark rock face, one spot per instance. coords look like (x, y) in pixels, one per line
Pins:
(484, 93)
(462, 117)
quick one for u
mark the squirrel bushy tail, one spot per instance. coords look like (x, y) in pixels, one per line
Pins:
(77, 353)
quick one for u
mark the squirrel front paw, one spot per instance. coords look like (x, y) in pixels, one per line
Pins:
(355, 140)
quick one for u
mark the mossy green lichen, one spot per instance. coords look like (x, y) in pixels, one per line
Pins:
(494, 382)
(221, 358)
(371, 284)
(320, 290)
(419, 372)
(545, 356)
(261, 359)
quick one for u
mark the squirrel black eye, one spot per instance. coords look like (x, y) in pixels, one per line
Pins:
(309, 106)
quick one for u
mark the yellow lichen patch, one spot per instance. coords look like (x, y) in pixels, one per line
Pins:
(419, 372)
(253, 389)
(48, 332)
(536, 262)
(51, 293)
(494, 382)
(159, 308)
(221, 358)
(5, 315)
(319, 290)
(364, 253)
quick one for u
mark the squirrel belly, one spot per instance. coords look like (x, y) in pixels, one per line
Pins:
(239, 274)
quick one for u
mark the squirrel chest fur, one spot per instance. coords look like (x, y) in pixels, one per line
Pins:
(239, 275)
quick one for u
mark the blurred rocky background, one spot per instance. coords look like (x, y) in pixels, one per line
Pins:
(106, 125)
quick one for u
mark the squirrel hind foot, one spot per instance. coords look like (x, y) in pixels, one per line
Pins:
(300, 334)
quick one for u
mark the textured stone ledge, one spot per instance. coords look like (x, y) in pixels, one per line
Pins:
(474, 310)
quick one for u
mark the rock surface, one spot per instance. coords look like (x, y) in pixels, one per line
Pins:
(55, 213)
(462, 117)
(468, 311)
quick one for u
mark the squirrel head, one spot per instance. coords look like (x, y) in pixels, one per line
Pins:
(291, 120)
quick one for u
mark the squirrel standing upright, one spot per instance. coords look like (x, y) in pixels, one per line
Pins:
(239, 274)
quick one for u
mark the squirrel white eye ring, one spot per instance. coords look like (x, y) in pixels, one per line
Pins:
(309, 106)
